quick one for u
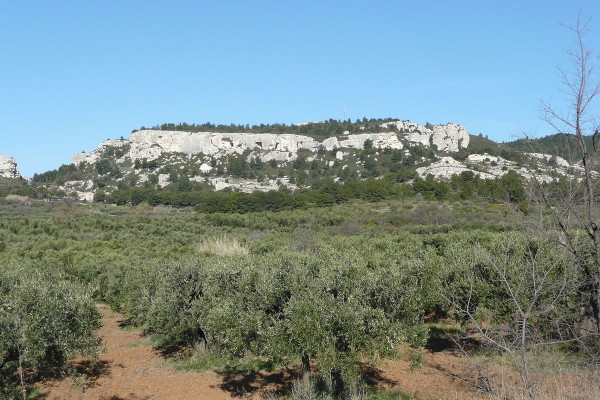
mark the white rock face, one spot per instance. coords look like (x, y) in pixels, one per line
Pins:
(151, 144)
(561, 162)
(487, 166)
(9, 168)
(93, 156)
(447, 167)
(205, 168)
(249, 186)
(388, 140)
(163, 180)
(82, 189)
(449, 138)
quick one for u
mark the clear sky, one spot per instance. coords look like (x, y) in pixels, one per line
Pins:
(74, 73)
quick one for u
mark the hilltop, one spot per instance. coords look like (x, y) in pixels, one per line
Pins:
(154, 164)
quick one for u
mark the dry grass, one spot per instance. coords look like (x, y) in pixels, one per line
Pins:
(222, 246)
(564, 386)
(13, 198)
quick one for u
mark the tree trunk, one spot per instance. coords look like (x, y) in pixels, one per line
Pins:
(596, 285)
(21, 374)
(305, 367)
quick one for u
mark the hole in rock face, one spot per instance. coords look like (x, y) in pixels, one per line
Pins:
(259, 144)
(227, 141)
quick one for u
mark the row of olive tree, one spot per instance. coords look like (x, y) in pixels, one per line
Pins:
(353, 298)
(328, 309)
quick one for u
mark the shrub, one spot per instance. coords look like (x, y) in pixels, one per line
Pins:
(44, 322)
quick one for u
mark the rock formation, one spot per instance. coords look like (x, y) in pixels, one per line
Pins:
(9, 168)
(448, 138)
(487, 166)
(151, 144)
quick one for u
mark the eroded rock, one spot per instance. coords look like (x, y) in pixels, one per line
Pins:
(9, 168)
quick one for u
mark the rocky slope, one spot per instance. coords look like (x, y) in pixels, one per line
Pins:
(543, 167)
(258, 161)
(153, 156)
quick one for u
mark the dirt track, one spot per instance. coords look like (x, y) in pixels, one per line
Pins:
(130, 369)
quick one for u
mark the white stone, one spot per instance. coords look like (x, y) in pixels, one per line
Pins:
(560, 162)
(380, 140)
(85, 196)
(151, 144)
(449, 138)
(205, 168)
(330, 143)
(9, 167)
(163, 180)
(446, 167)
(482, 158)
(249, 186)
(93, 156)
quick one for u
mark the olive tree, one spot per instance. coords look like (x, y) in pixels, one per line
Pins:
(44, 322)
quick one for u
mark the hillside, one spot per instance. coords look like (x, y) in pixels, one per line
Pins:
(330, 161)
(561, 145)
(188, 157)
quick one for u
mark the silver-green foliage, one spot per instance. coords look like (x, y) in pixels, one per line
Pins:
(44, 321)
(333, 306)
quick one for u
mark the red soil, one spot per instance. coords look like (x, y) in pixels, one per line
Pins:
(129, 369)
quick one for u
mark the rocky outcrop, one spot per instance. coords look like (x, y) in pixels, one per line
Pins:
(387, 140)
(545, 168)
(9, 168)
(80, 189)
(284, 147)
(448, 138)
(447, 167)
(247, 185)
(93, 156)
(151, 144)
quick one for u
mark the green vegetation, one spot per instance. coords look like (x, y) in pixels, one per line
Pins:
(322, 287)
(509, 188)
(44, 322)
(316, 130)
(561, 144)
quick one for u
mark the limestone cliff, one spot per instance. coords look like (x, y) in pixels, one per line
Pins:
(151, 144)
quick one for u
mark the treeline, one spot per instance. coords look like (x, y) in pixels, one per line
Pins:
(209, 201)
(317, 130)
(59, 176)
(561, 144)
(509, 188)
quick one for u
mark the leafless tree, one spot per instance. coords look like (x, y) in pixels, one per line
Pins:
(573, 205)
(533, 287)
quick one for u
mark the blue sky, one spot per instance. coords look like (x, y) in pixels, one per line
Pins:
(74, 73)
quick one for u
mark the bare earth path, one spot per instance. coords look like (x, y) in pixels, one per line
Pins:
(130, 369)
